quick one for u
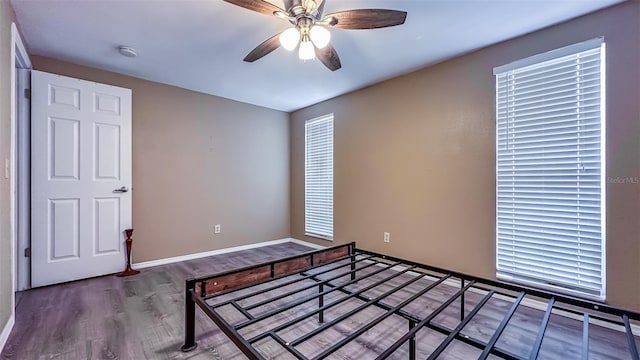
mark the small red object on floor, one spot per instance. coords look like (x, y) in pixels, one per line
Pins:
(128, 271)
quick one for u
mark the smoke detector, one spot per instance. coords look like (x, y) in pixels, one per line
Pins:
(128, 51)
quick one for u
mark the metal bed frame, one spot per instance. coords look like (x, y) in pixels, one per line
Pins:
(296, 269)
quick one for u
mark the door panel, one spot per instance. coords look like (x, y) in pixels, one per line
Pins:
(107, 104)
(64, 142)
(64, 222)
(80, 154)
(107, 151)
(62, 96)
(107, 225)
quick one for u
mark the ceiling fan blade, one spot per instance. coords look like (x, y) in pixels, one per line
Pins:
(366, 18)
(260, 6)
(329, 57)
(263, 49)
(321, 8)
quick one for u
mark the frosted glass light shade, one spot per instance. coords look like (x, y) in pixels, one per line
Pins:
(289, 38)
(306, 52)
(309, 5)
(320, 36)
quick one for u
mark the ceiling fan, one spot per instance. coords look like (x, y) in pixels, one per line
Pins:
(310, 30)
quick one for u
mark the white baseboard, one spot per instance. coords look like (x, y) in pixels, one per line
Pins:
(4, 335)
(146, 264)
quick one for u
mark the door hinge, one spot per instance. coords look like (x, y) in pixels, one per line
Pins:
(27, 93)
(27, 252)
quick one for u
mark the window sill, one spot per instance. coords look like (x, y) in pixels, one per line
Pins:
(551, 288)
(321, 237)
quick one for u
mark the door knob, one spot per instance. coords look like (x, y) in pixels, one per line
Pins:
(122, 189)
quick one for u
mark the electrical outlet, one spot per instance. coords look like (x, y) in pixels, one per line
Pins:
(387, 237)
(217, 229)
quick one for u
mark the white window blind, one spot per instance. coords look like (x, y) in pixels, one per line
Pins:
(550, 170)
(318, 172)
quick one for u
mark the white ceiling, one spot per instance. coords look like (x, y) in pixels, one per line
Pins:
(199, 45)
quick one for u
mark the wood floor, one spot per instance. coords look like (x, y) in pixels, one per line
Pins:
(141, 317)
(138, 317)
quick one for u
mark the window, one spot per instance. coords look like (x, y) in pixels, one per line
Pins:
(550, 170)
(318, 177)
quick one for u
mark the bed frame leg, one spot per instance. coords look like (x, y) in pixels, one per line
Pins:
(462, 301)
(189, 318)
(321, 304)
(353, 260)
(412, 342)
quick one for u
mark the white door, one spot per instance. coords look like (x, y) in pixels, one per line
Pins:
(80, 177)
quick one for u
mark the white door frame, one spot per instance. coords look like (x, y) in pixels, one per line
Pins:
(19, 59)
(23, 179)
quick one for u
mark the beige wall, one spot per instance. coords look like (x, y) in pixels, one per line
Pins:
(199, 160)
(7, 16)
(415, 156)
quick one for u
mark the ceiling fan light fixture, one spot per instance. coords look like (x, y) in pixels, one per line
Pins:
(307, 51)
(320, 36)
(309, 5)
(289, 38)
